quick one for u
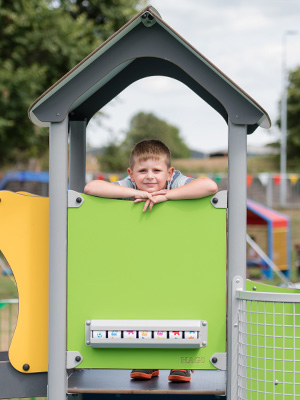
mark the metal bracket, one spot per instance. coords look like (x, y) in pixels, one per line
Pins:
(74, 358)
(219, 200)
(148, 19)
(219, 360)
(74, 199)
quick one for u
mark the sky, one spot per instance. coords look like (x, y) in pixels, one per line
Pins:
(244, 39)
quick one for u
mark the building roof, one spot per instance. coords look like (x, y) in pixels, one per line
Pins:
(145, 46)
(258, 214)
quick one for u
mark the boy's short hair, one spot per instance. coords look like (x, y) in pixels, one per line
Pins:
(150, 148)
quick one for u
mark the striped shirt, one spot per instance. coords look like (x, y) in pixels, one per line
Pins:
(177, 180)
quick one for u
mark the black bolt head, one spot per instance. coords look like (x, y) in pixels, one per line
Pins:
(215, 200)
(78, 200)
(144, 16)
(26, 367)
(77, 358)
(214, 360)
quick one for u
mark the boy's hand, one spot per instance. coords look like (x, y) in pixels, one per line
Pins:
(153, 198)
(143, 196)
(159, 197)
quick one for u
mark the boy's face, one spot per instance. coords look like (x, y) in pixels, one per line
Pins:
(151, 175)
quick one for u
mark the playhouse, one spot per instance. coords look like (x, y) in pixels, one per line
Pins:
(272, 231)
(64, 344)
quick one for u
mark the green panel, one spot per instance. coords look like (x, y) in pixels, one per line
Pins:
(169, 263)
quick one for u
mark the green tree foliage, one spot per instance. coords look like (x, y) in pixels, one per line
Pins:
(41, 40)
(293, 116)
(108, 15)
(293, 121)
(143, 126)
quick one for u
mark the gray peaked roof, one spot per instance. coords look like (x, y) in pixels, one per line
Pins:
(145, 46)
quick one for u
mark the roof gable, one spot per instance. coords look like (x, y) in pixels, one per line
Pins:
(146, 46)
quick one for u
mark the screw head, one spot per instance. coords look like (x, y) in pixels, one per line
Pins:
(214, 360)
(88, 343)
(77, 358)
(237, 281)
(204, 323)
(26, 367)
(88, 322)
(276, 382)
(57, 114)
(78, 200)
(204, 344)
(254, 288)
(215, 200)
(144, 16)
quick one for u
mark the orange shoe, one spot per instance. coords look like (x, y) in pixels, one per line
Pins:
(144, 373)
(180, 375)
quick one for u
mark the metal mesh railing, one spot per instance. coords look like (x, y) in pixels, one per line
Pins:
(269, 346)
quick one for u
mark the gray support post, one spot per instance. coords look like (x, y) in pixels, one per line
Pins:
(77, 155)
(58, 192)
(236, 248)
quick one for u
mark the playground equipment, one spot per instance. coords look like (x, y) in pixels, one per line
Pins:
(22, 180)
(272, 231)
(97, 276)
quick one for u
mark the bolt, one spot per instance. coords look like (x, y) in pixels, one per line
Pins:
(150, 17)
(204, 344)
(214, 360)
(144, 16)
(204, 323)
(254, 288)
(215, 200)
(26, 367)
(57, 114)
(237, 281)
(78, 200)
(235, 325)
(77, 358)
(276, 382)
(88, 343)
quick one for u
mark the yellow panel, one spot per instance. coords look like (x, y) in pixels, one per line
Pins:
(260, 233)
(280, 248)
(24, 221)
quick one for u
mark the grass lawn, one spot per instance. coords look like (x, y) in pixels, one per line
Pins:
(8, 288)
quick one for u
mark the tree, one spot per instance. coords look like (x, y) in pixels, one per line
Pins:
(293, 113)
(108, 15)
(143, 126)
(293, 120)
(40, 41)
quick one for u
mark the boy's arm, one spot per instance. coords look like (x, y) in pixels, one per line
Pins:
(113, 191)
(197, 188)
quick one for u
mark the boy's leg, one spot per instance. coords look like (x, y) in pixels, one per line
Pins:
(144, 373)
(180, 375)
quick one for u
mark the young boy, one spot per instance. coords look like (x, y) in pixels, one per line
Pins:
(152, 180)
